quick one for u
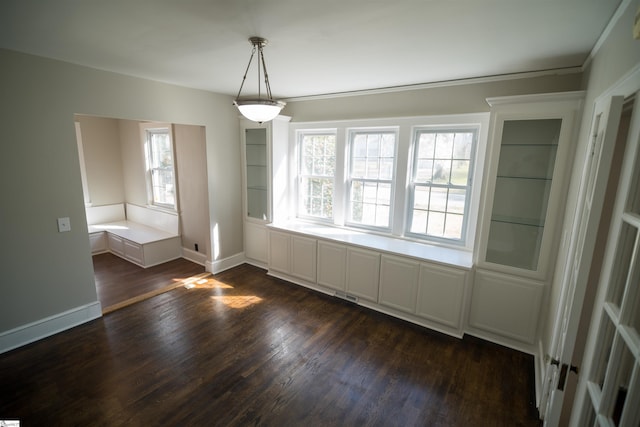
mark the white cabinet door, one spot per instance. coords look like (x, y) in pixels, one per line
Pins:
(116, 244)
(98, 242)
(303, 258)
(255, 242)
(441, 294)
(363, 268)
(133, 252)
(398, 282)
(279, 249)
(506, 305)
(332, 265)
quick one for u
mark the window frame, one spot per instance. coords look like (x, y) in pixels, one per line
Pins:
(352, 132)
(468, 187)
(403, 168)
(300, 134)
(146, 130)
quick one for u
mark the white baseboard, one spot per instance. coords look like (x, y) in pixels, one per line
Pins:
(193, 256)
(48, 326)
(221, 265)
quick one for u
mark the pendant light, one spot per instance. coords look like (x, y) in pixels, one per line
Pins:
(258, 109)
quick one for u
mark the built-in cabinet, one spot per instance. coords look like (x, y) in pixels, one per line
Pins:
(497, 293)
(332, 265)
(531, 139)
(425, 293)
(363, 268)
(399, 283)
(258, 182)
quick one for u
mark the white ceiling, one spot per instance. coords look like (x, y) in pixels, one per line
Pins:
(315, 46)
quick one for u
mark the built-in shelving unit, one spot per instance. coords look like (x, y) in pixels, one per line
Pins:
(524, 179)
(259, 181)
(529, 150)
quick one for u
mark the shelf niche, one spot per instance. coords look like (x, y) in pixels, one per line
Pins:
(523, 184)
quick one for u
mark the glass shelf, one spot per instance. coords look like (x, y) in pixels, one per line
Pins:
(531, 222)
(521, 195)
(256, 169)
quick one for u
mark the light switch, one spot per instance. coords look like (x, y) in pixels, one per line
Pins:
(64, 224)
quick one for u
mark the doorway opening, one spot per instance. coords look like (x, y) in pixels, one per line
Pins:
(142, 245)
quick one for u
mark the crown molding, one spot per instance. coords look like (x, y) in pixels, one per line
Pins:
(443, 83)
(622, 7)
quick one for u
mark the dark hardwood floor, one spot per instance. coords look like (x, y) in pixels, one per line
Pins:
(120, 282)
(242, 348)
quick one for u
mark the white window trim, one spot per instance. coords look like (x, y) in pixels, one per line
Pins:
(298, 158)
(471, 187)
(350, 131)
(405, 127)
(144, 127)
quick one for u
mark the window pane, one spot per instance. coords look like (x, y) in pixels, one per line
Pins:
(382, 216)
(462, 145)
(435, 224)
(371, 175)
(438, 201)
(419, 222)
(317, 169)
(444, 146)
(372, 169)
(421, 197)
(441, 171)
(373, 145)
(160, 158)
(456, 201)
(384, 194)
(370, 192)
(427, 145)
(424, 171)
(453, 226)
(460, 172)
(441, 182)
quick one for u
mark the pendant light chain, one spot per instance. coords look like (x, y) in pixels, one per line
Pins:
(253, 51)
(266, 75)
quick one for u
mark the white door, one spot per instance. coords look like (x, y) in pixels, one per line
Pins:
(595, 175)
(609, 388)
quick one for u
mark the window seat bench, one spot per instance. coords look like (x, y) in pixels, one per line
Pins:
(136, 242)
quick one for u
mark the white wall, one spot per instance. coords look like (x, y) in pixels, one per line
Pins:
(191, 166)
(102, 156)
(133, 163)
(46, 273)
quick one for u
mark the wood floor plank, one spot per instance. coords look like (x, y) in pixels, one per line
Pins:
(120, 283)
(242, 348)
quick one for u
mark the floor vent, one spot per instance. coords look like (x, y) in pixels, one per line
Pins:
(346, 296)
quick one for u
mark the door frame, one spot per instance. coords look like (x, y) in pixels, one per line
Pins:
(567, 320)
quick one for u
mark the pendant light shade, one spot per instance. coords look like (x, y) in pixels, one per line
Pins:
(258, 109)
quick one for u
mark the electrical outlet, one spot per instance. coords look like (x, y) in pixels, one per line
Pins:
(196, 246)
(64, 224)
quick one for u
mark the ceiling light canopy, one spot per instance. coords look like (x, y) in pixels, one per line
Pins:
(258, 109)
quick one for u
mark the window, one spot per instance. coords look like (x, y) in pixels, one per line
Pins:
(372, 155)
(160, 169)
(441, 182)
(408, 178)
(316, 174)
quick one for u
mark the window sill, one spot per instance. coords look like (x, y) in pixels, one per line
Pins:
(421, 251)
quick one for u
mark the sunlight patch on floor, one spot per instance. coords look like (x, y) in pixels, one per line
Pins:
(205, 283)
(237, 301)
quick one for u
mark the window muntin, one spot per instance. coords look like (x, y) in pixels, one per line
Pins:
(316, 174)
(370, 180)
(160, 167)
(440, 183)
